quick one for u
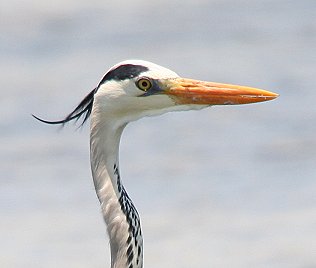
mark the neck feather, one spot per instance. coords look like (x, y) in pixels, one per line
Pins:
(119, 212)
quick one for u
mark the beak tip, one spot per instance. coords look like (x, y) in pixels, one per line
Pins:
(273, 96)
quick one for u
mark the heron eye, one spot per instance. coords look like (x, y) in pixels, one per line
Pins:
(144, 84)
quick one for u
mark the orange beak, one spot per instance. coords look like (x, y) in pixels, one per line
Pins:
(189, 91)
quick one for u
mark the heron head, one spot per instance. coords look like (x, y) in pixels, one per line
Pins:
(133, 89)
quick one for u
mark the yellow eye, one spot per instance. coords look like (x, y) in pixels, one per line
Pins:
(144, 84)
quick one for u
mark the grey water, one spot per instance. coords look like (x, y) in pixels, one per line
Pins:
(231, 186)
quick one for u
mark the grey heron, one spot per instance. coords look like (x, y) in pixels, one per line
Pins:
(128, 91)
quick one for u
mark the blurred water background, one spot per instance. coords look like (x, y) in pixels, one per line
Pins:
(222, 187)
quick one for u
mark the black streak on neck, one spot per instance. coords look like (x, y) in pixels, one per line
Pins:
(133, 220)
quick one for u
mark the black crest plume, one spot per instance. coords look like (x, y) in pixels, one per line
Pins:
(122, 72)
(84, 109)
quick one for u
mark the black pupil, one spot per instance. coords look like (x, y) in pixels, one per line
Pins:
(145, 84)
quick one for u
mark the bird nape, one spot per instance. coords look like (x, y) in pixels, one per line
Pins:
(128, 91)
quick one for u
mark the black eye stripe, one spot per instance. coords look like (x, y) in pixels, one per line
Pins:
(122, 72)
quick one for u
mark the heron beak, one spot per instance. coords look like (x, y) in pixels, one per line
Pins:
(189, 91)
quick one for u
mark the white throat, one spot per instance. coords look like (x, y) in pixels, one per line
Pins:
(119, 213)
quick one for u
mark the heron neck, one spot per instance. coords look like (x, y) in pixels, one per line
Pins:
(119, 213)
